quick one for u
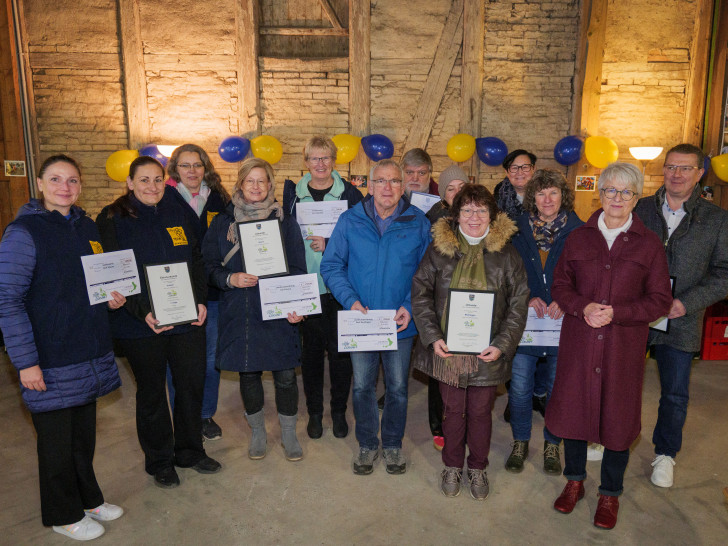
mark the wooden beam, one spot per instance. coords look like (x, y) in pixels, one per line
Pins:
(445, 55)
(696, 84)
(471, 88)
(330, 13)
(322, 64)
(73, 60)
(302, 31)
(247, 13)
(31, 116)
(359, 77)
(716, 105)
(134, 73)
(190, 62)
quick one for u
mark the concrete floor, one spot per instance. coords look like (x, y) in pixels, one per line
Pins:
(320, 501)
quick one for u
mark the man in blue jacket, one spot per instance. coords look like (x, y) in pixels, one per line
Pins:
(369, 263)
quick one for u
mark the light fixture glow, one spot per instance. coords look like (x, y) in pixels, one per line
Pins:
(645, 153)
(166, 150)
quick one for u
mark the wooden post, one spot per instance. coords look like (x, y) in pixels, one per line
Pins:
(696, 84)
(359, 78)
(471, 93)
(248, 49)
(26, 68)
(134, 73)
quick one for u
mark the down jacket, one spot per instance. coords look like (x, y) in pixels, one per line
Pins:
(505, 275)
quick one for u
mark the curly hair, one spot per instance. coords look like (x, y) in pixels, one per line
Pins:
(548, 178)
(212, 179)
(477, 195)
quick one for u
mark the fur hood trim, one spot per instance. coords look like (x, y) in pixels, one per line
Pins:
(445, 238)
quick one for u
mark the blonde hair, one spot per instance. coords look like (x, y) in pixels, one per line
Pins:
(322, 142)
(255, 163)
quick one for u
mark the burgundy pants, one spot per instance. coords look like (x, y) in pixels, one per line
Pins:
(467, 419)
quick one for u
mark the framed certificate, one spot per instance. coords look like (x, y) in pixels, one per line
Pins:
(261, 247)
(170, 293)
(469, 320)
(662, 324)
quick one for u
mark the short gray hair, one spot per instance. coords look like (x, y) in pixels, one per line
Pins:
(386, 163)
(417, 157)
(624, 172)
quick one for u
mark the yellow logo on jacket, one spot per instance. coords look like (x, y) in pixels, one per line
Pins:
(96, 247)
(178, 235)
(210, 216)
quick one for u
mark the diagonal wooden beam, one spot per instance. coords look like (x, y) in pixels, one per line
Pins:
(133, 70)
(330, 13)
(248, 49)
(445, 55)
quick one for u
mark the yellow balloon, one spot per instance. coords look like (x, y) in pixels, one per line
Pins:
(267, 147)
(117, 165)
(719, 164)
(461, 147)
(347, 147)
(600, 151)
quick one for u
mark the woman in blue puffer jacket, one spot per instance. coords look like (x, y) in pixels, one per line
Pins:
(60, 345)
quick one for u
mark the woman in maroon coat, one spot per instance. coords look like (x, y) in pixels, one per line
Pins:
(611, 281)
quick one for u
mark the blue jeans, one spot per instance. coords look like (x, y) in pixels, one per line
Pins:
(521, 394)
(674, 367)
(364, 397)
(212, 374)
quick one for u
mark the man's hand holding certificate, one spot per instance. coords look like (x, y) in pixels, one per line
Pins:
(374, 331)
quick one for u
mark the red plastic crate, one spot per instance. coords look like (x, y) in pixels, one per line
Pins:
(715, 349)
(716, 327)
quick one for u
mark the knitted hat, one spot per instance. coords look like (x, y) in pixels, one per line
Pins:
(453, 172)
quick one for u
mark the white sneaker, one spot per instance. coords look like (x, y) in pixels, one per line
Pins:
(594, 452)
(86, 529)
(662, 472)
(106, 512)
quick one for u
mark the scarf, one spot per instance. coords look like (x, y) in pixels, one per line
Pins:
(246, 212)
(545, 232)
(508, 200)
(469, 274)
(197, 202)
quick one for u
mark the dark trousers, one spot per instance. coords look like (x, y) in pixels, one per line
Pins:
(319, 336)
(164, 446)
(434, 406)
(467, 420)
(286, 386)
(614, 464)
(66, 443)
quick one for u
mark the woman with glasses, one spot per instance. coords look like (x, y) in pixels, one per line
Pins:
(192, 174)
(322, 183)
(611, 282)
(246, 343)
(470, 250)
(509, 193)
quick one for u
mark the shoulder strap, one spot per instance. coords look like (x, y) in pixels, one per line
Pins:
(230, 254)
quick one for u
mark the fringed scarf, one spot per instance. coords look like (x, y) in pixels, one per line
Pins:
(545, 232)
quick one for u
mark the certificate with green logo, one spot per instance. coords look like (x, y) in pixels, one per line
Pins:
(261, 246)
(469, 320)
(171, 294)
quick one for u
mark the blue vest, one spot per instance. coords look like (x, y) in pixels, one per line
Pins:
(66, 327)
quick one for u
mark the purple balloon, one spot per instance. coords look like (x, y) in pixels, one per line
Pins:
(491, 150)
(151, 150)
(377, 147)
(568, 150)
(234, 149)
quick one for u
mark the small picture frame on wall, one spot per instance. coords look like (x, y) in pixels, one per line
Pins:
(586, 183)
(359, 180)
(14, 168)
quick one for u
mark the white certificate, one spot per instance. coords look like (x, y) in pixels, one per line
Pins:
(319, 217)
(375, 331)
(424, 201)
(282, 295)
(469, 320)
(261, 246)
(108, 272)
(171, 294)
(541, 332)
(662, 324)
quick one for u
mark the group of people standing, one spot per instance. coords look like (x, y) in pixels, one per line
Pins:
(606, 280)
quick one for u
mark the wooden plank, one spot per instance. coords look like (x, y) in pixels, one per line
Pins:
(445, 55)
(302, 31)
(134, 73)
(247, 21)
(401, 66)
(73, 60)
(330, 13)
(696, 84)
(716, 105)
(191, 62)
(359, 77)
(31, 116)
(321, 64)
(471, 93)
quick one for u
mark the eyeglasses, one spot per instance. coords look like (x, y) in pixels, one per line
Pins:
(326, 159)
(383, 181)
(188, 166)
(682, 169)
(467, 213)
(611, 193)
(250, 183)
(418, 173)
(527, 168)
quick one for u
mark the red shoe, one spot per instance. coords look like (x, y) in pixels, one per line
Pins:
(573, 492)
(438, 442)
(606, 514)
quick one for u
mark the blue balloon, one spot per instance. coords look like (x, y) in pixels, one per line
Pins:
(377, 147)
(491, 150)
(151, 150)
(234, 149)
(568, 150)
(706, 167)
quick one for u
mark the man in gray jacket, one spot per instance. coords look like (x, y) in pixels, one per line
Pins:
(695, 235)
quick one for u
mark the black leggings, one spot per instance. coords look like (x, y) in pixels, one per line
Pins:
(251, 389)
